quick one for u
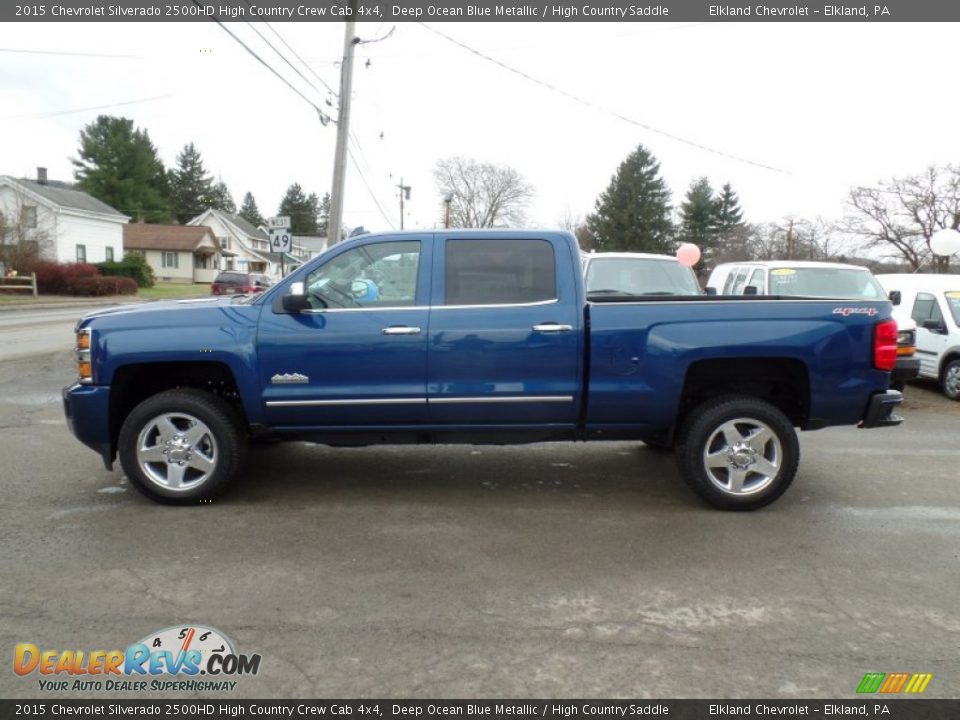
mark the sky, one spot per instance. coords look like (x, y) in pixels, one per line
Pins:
(791, 114)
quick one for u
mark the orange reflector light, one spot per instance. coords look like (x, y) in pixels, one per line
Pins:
(83, 341)
(85, 370)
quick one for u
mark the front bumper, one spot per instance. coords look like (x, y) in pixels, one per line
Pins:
(907, 368)
(87, 409)
(880, 410)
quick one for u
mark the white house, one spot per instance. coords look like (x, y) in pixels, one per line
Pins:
(67, 225)
(178, 253)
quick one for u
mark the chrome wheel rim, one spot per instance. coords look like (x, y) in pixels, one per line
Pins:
(743, 456)
(177, 451)
(951, 381)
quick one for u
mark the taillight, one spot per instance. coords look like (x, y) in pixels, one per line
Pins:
(885, 345)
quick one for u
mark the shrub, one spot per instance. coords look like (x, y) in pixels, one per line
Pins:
(99, 286)
(56, 278)
(142, 272)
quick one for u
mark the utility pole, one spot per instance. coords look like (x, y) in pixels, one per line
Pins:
(448, 198)
(404, 191)
(343, 127)
(790, 240)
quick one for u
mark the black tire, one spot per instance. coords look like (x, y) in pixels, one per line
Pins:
(950, 380)
(181, 447)
(749, 473)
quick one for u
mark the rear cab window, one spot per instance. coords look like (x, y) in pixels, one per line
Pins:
(499, 272)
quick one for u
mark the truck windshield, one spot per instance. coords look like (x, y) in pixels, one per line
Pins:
(825, 282)
(639, 276)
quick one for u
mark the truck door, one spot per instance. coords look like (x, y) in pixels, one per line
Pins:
(358, 356)
(505, 332)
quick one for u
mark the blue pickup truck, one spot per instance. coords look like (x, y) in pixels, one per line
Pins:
(475, 336)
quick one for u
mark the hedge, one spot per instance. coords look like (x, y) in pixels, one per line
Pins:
(133, 266)
(57, 278)
(100, 286)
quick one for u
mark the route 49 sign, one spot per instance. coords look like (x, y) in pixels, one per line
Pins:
(280, 239)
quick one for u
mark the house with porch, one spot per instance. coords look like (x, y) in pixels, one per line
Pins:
(176, 253)
(55, 221)
(249, 246)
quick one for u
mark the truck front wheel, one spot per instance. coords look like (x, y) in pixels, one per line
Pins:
(180, 446)
(738, 452)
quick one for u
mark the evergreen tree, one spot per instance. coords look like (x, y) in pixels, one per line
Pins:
(250, 212)
(698, 216)
(119, 166)
(323, 215)
(728, 222)
(192, 186)
(221, 199)
(301, 209)
(633, 213)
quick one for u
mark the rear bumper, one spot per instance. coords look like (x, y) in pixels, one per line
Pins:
(87, 409)
(907, 368)
(880, 410)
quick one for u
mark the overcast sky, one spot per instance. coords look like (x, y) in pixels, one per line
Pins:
(828, 105)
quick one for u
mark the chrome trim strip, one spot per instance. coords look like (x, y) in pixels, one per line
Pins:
(348, 401)
(321, 311)
(502, 399)
(497, 305)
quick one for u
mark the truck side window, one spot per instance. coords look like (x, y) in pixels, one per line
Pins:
(740, 281)
(499, 272)
(757, 281)
(375, 275)
(925, 308)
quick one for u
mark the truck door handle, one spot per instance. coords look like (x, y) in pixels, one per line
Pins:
(400, 330)
(552, 328)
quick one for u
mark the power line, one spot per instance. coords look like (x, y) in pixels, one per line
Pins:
(72, 54)
(54, 113)
(284, 58)
(373, 196)
(310, 69)
(595, 106)
(324, 118)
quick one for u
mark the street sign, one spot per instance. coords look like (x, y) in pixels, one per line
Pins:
(281, 240)
(279, 222)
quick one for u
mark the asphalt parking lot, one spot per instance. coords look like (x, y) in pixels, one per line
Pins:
(564, 570)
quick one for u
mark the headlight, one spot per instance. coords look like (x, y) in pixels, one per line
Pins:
(82, 355)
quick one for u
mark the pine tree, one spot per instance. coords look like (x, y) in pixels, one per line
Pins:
(301, 209)
(221, 199)
(250, 212)
(633, 213)
(323, 215)
(698, 218)
(728, 221)
(119, 166)
(192, 186)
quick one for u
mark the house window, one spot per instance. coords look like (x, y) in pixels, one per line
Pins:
(169, 260)
(224, 242)
(109, 254)
(81, 253)
(30, 216)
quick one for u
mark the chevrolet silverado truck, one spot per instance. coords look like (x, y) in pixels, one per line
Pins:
(475, 336)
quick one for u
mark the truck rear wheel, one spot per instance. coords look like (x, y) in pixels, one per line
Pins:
(738, 452)
(950, 380)
(180, 446)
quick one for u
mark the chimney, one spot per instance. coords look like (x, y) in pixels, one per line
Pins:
(42, 175)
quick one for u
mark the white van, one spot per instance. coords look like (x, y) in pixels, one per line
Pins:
(933, 302)
(808, 278)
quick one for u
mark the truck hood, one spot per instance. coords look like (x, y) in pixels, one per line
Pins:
(165, 307)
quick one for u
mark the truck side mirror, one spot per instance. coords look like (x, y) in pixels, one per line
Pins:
(710, 290)
(295, 301)
(895, 297)
(751, 290)
(937, 326)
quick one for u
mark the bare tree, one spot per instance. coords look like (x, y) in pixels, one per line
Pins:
(482, 195)
(576, 225)
(902, 215)
(25, 234)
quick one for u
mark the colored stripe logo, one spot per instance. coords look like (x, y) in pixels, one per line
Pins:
(893, 683)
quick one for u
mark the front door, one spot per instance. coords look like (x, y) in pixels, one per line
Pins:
(358, 357)
(930, 343)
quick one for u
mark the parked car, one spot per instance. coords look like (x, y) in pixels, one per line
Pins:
(637, 274)
(933, 302)
(792, 278)
(493, 341)
(230, 282)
